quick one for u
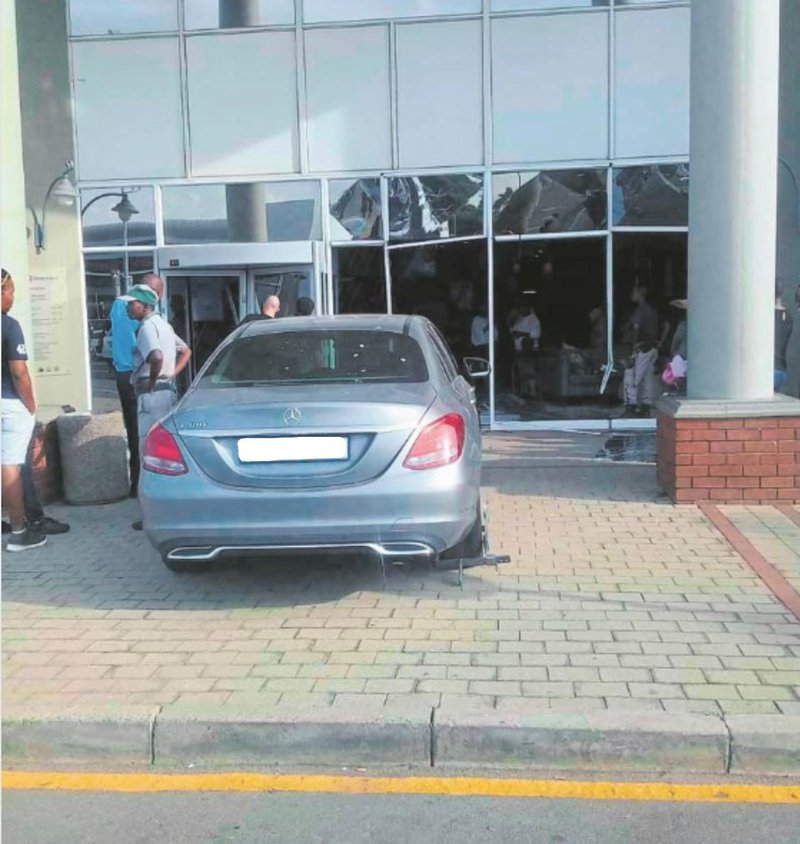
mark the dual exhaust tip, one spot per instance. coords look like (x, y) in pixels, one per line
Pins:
(384, 551)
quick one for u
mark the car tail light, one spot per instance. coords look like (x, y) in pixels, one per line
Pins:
(437, 444)
(161, 453)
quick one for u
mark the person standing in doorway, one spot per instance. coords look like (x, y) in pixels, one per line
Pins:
(158, 359)
(270, 308)
(123, 336)
(18, 418)
(784, 325)
(639, 380)
(304, 307)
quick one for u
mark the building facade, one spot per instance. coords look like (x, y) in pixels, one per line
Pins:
(476, 161)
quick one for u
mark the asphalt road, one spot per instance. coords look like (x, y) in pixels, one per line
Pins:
(57, 817)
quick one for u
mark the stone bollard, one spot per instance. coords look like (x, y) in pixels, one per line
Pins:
(94, 458)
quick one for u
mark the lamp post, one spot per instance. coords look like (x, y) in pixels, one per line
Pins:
(125, 210)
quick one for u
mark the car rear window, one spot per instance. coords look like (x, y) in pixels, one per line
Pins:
(317, 357)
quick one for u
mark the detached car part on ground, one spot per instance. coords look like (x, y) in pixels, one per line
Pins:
(321, 434)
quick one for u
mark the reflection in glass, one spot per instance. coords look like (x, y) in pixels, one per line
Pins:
(250, 212)
(656, 195)
(318, 11)
(514, 5)
(359, 280)
(435, 207)
(232, 14)
(553, 201)
(102, 17)
(105, 280)
(288, 283)
(355, 209)
(118, 217)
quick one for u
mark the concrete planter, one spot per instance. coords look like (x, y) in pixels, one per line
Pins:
(94, 459)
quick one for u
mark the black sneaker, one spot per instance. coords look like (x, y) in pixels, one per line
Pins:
(6, 528)
(50, 526)
(25, 540)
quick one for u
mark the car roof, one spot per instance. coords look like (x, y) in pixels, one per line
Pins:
(397, 323)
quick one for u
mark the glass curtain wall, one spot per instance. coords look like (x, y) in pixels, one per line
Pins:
(529, 227)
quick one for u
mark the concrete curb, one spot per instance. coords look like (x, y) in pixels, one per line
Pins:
(449, 738)
(591, 741)
(765, 744)
(79, 738)
(318, 736)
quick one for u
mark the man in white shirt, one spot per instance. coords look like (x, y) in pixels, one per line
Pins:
(159, 357)
(527, 327)
(480, 332)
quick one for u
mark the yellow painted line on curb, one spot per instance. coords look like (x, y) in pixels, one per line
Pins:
(451, 786)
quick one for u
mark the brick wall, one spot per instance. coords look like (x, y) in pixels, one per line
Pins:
(729, 460)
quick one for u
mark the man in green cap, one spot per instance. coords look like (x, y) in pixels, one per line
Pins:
(159, 357)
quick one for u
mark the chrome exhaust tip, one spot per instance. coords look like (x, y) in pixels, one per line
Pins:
(387, 550)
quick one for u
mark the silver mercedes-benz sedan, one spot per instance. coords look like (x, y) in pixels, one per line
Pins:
(344, 433)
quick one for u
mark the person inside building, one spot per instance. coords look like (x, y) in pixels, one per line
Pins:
(639, 381)
(158, 359)
(123, 335)
(598, 332)
(784, 325)
(526, 327)
(305, 306)
(270, 308)
(479, 333)
(18, 418)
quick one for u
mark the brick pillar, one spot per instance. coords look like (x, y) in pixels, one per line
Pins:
(709, 451)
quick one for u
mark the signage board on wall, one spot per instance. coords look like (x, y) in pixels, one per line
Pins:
(51, 330)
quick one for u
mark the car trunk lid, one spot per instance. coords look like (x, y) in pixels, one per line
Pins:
(325, 435)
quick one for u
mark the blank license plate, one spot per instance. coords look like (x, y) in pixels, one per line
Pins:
(291, 449)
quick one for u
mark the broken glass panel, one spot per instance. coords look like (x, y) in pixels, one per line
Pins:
(435, 207)
(553, 201)
(656, 195)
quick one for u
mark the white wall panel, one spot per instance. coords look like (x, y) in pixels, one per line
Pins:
(321, 11)
(652, 90)
(107, 17)
(550, 87)
(440, 94)
(128, 108)
(242, 103)
(347, 83)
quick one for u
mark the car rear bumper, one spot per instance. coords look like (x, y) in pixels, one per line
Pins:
(403, 513)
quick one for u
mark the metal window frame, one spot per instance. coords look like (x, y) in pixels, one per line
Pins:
(489, 168)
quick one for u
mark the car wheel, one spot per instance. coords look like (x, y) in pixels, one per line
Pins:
(473, 544)
(180, 566)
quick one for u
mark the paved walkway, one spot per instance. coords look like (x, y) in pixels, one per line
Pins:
(614, 599)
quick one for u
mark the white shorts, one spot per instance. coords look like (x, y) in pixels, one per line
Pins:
(17, 429)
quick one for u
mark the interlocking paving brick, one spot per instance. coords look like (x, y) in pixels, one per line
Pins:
(613, 599)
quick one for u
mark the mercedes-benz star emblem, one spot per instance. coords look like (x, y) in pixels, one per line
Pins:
(291, 416)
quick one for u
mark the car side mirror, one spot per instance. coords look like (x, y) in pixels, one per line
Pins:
(477, 367)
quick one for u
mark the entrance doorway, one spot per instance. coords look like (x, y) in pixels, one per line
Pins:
(203, 308)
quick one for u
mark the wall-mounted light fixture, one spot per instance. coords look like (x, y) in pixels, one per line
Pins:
(63, 191)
